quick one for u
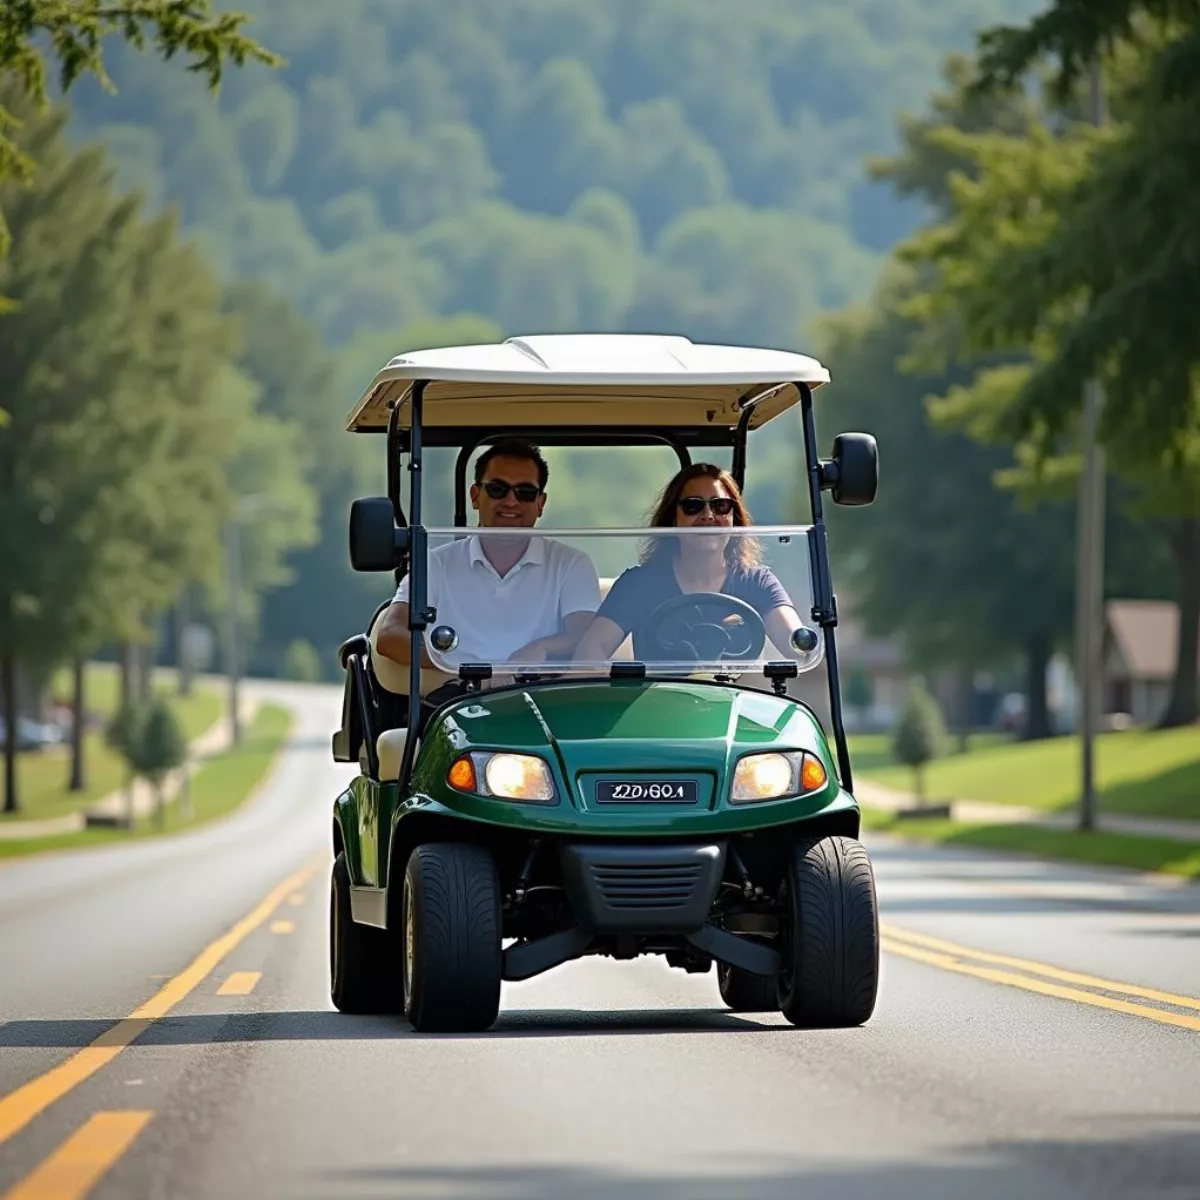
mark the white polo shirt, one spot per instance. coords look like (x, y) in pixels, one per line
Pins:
(495, 616)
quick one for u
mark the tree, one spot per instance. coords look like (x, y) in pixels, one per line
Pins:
(1075, 33)
(919, 735)
(112, 476)
(1062, 245)
(76, 31)
(301, 663)
(123, 734)
(158, 749)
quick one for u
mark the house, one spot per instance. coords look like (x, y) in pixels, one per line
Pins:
(1140, 643)
(871, 669)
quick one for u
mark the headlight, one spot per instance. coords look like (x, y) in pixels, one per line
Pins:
(505, 776)
(775, 774)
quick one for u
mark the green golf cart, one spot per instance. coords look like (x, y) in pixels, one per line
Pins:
(676, 797)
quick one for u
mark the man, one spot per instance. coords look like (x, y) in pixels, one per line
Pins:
(521, 600)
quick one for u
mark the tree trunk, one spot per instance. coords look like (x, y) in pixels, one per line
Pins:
(1037, 710)
(919, 775)
(183, 618)
(966, 681)
(147, 653)
(78, 723)
(125, 660)
(8, 681)
(1184, 539)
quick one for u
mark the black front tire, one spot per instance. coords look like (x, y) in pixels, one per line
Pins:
(830, 942)
(450, 932)
(364, 966)
(743, 991)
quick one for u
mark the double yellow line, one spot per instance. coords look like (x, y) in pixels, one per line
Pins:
(76, 1165)
(1043, 979)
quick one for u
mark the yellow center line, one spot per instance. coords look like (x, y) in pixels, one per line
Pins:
(1028, 983)
(73, 1169)
(296, 900)
(19, 1107)
(282, 926)
(1036, 968)
(240, 983)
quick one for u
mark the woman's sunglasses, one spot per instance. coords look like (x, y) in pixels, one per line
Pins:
(693, 506)
(527, 493)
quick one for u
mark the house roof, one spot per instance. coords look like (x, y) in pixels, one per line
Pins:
(1146, 633)
(856, 648)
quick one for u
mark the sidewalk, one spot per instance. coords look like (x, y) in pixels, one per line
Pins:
(112, 811)
(873, 795)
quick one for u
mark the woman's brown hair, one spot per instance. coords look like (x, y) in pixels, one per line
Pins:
(740, 552)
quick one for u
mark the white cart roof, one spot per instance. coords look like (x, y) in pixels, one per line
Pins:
(565, 381)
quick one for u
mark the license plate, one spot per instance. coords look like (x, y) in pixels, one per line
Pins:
(642, 791)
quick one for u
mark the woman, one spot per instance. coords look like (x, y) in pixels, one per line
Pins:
(701, 496)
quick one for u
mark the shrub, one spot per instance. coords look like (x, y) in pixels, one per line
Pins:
(301, 662)
(919, 734)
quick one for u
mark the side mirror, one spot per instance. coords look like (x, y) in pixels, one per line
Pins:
(376, 543)
(852, 474)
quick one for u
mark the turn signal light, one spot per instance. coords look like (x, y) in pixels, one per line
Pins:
(812, 774)
(462, 775)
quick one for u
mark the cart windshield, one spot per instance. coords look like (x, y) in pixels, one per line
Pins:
(696, 600)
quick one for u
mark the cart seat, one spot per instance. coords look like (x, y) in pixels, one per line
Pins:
(389, 746)
(392, 676)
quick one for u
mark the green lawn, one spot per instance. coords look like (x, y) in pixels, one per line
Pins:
(1100, 849)
(872, 752)
(219, 786)
(1148, 773)
(42, 776)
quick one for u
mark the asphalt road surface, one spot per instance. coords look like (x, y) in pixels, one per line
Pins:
(167, 1033)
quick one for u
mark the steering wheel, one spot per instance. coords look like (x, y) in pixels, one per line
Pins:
(700, 627)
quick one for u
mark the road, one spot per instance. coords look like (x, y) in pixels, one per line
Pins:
(1037, 1035)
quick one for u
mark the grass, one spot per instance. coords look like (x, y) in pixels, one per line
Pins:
(1099, 848)
(219, 786)
(42, 776)
(872, 752)
(1140, 772)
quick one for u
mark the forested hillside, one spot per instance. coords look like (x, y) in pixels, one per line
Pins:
(551, 164)
(442, 170)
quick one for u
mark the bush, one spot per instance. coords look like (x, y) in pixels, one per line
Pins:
(919, 734)
(161, 746)
(125, 730)
(150, 740)
(301, 662)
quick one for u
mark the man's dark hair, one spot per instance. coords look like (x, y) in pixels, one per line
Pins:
(513, 448)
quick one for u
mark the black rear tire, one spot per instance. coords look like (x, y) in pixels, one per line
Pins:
(830, 941)
(746, 992)
(450, 933)
(364, 964)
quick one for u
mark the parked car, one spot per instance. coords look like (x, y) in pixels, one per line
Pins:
(33, 735)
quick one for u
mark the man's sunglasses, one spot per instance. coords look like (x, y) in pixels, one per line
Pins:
(527, 493)
(693, 506)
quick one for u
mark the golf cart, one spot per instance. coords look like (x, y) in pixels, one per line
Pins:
(670, 799)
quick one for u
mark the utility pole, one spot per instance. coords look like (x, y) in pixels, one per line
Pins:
(233, 554)
(1089, 580)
